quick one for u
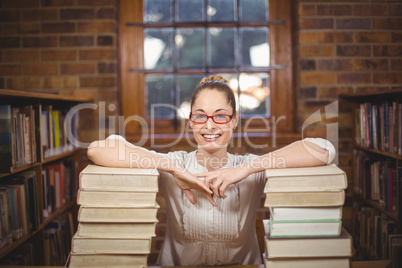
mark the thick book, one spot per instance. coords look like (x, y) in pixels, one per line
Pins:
(296, 247)
(99, 178)
(305, 228)
(110, 245)
(108, 260)
(307, 262)
(117, 230)
(6, 155)
(306, 179)
(118, 214)
(304, 199)
(306, 213)
(116, 199)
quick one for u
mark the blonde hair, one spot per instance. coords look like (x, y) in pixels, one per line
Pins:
(218, 83)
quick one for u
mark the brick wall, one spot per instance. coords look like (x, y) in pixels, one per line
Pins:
(61, 46)
(345, 47)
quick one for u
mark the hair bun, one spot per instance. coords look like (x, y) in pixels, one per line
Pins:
(213, 78)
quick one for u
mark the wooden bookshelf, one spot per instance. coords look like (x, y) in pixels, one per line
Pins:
(18, 99)
(377, 170)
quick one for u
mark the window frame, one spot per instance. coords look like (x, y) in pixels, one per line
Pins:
(132, 84)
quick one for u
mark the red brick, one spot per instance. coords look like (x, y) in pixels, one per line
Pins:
(10, 69)
(353, 24)
(96, 2)
(371, 65)
(97, 81)
(77, 68)
(387, 51)
(20, 3)
(314, 78)
(77, 14)
(57, 3)
(316, 23)
(59, 55)
(395, 10)
(370, 10)
(310, 92)
(97, 27)
(76, 41)
(353, 51)
(307, 65)
(58, 27)
(334, 65)
(10, 42)
(97, 54)
(396, 64)
(104, 68)
(10, 28)
(317, 51)
(105, 41)
(387, 23)
(387, 78)
(333, 92)
(40, 69)
(372, 37)
(21, 55)
(61, 82)
(354, 78)
(9, 15)
(334, 37)
(24, 82)
(50, 41)
(396, 37)
(29, 28)
(106, 13)
(39, 14)
(334, 10)
(307, 38)
(306, 10)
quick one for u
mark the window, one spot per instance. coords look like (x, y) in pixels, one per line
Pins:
(177, 42)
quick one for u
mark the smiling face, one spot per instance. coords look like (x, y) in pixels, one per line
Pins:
(210, 136)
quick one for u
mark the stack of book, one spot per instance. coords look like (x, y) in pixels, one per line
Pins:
(305, 225)
(116, 218)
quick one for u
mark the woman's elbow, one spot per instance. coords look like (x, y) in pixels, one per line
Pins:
(91, 151)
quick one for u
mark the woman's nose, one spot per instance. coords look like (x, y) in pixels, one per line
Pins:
(210, 123)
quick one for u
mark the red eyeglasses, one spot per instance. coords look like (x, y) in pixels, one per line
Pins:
(217, 118)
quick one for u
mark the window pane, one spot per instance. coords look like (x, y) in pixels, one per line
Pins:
(222, 47)
(187, 84)
(255, 47)
(157, 11)
(190, 10)
(221, 10)
(160, 96)
(190, 47)
(255, 10)
(254, 94)
(158, 49)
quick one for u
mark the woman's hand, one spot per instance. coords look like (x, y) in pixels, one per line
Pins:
(186, 181)
(220, 179)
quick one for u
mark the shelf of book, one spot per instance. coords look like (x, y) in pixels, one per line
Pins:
(377, 206)
(377, 171)
(38, 169)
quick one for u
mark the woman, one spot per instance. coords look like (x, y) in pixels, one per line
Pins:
(199, 233)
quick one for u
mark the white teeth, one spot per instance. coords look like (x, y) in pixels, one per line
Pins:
(211, 136)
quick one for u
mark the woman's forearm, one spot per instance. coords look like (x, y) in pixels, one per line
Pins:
(297, 154)
(120, 153)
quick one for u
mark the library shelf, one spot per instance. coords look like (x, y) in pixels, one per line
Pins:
(38, 166)
(377, 171)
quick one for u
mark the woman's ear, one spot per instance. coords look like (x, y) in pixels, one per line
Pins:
(235, 120)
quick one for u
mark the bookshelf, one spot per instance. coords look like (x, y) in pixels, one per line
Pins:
(377, 171)
(40, 153)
